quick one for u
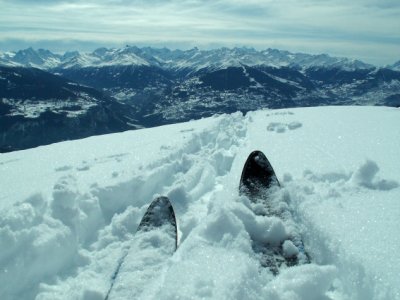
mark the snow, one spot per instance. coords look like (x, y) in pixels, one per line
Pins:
(289, 249)
(69, 211)
(33, 108)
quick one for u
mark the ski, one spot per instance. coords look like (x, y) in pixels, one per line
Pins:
(154, 242)
(258, 182)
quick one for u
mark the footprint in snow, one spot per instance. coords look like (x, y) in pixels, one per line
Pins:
(281, 113)
(282, 127)
(84, 167)
(63, 168)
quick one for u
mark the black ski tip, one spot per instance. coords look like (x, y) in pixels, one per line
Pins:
(257, 175)
(159, 213)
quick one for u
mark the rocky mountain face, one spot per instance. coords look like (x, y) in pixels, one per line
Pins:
(57, 97)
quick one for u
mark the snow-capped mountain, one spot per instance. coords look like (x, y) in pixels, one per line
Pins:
(103, 57)
(43, 59)
(193, 59)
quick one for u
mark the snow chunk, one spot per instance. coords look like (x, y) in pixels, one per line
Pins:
(294, 125)
(263, 229)
(289, 249)
(276, 232)
(64, 204)
(224, 229)
(366, 176)
(277, 127)
(33, 245)
(303, 282)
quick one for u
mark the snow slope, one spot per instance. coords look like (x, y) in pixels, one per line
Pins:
(69, 211)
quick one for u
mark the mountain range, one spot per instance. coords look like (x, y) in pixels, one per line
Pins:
(47, 97)
(193, 59)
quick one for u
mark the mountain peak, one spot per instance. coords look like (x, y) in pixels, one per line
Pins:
(395, 66)
(70, 54)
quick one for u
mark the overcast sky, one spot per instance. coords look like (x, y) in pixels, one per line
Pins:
(365, 29)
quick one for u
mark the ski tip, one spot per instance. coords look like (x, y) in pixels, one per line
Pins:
(257, 174)
(159, 213)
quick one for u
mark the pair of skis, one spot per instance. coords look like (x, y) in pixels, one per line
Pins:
(157, 232)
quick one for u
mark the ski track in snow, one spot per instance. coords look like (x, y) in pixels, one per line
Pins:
(65, 231)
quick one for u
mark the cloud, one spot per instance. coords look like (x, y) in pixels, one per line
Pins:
(311, 24)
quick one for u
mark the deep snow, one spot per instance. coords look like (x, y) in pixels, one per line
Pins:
(69, 211)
